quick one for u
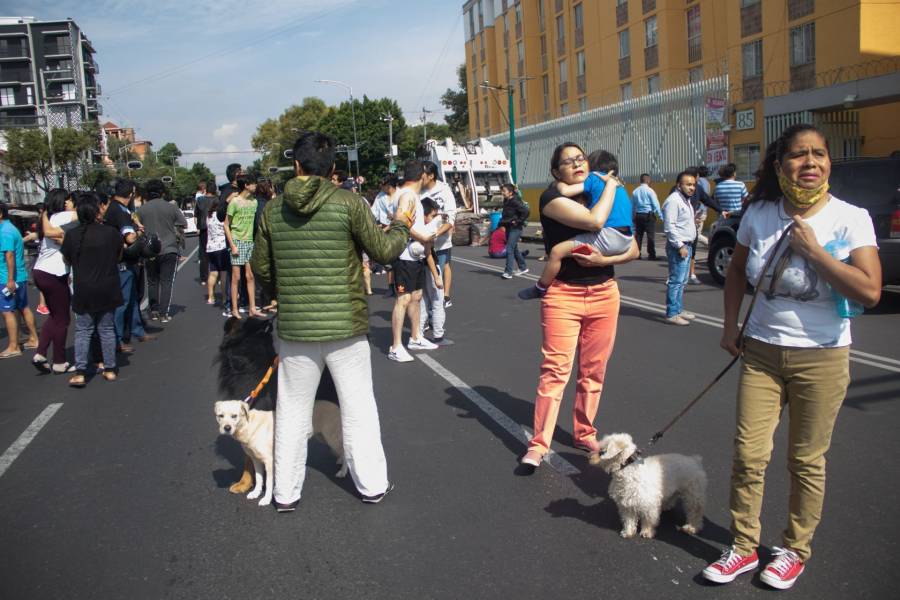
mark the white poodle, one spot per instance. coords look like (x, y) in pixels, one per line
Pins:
(643, 487)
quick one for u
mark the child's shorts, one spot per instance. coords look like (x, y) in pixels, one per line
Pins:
(609, 241)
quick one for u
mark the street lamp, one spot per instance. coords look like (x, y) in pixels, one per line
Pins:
(349, 89)
(512, 118)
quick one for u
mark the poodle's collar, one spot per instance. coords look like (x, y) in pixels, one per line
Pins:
(635, 457)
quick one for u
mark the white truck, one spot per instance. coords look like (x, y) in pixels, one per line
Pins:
(474, 170)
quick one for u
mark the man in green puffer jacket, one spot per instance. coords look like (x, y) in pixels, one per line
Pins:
(307, 254)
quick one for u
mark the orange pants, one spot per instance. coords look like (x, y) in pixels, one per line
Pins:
(582, 317)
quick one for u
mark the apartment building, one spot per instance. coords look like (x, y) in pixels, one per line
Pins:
(47, 74)
(832, 62)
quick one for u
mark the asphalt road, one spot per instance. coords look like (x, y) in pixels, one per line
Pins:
(122, 492)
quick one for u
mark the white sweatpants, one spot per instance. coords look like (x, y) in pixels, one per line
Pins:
(432, 305)
(298, 378)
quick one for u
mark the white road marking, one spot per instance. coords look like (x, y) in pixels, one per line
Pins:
(519, 432)
(873, 360)
(146, 301)
(13, 452)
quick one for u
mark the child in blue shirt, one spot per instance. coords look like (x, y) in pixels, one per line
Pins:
(611, 208)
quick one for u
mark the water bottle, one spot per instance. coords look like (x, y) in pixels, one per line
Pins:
(846, 308)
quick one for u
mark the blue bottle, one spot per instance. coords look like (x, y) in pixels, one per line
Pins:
(846, 308)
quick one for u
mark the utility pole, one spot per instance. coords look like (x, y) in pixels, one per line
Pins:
(48, 125)
(509, 89)
(389, 118)
(425, 113)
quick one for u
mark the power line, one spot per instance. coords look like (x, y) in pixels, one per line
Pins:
(439, 59)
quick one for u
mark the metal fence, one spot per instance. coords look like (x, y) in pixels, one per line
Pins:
(660, 134)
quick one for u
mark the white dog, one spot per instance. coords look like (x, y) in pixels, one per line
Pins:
(255, 430)
(643, 487)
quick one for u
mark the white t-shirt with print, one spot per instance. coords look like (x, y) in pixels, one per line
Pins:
(801, 313)
(49, 259)
(443, 196)
(418, 224)
(215, 234)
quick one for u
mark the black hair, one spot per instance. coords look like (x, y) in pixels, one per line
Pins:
(692, 171)
(54, 202)
(429, 206)
(430, 168)
(242, 181)
(314, 152)
(201, 185)
(557, 156)
(413, 170)
(767, 187)
(155, 188)
(231, 171)
(213, 207)
(727, 171)
(87, 207)
(687, 172)
(603, 161)
(645, 176)
(124, 188)
(341, 176)
(4, 210)
(509, 187)
(703, 171)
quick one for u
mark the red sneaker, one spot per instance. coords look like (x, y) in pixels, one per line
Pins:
(42, 309)
(729, 566)
(784, 569)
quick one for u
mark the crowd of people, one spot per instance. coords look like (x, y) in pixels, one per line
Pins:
(309, 250)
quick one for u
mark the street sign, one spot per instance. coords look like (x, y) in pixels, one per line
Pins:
(273, 170)
(745, 119)
(166, 179)
(135, 165)
(289, 154)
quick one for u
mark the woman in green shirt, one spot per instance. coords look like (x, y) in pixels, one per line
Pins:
(239, 221)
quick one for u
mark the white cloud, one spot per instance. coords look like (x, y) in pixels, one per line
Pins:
(230, 148)
(225, 131)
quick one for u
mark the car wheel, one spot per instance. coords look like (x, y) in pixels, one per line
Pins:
(719, 258)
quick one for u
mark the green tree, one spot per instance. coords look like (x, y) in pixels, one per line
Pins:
(168, 154)
(457, 102)
(274, 136)
(28, 153)
(412, 140)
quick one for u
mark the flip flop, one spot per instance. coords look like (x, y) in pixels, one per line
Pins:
(8, 354)
(41, 365)
(31, 346)
(77, 381)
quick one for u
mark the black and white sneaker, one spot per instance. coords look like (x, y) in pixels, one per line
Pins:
(378, 497)
(447, 303)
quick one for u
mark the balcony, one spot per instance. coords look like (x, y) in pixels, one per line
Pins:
(14, 52)
(59, 75)
(11, 122)
(58, 50)
(752, 88)
(563, 91)
(695, 49)
(92, 66)
(651, 57)
(751, 19)
(621, 14)
(625, 67)
(803, 77)
(580, 84)
(14, 78)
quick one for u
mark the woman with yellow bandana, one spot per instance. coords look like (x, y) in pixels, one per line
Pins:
(796, 344)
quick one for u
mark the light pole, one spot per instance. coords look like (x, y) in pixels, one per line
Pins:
(509, 89)
(389, 118)
(349, 89)
(425, 113)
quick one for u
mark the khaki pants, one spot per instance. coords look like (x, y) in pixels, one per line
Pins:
(812, 382)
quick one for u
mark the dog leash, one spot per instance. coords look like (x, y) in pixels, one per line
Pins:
(782, 263)
(263, 383)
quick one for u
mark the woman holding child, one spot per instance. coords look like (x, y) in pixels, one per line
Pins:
(579, 310)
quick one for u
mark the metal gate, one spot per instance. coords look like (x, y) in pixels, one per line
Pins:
(659, 133)
(841, 129)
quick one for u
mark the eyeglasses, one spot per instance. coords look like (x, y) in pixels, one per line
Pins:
(568, 162)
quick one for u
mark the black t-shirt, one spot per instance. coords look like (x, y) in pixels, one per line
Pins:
(555, 232)
(119, 217)
(93, 252)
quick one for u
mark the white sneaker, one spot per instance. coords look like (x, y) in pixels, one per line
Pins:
(421, 344)
(520, 272)
(687, 315)
(693, 280)
(677, 320)
(506, 275)
(399, 354)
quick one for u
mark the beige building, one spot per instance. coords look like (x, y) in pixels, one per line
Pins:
(832, 62)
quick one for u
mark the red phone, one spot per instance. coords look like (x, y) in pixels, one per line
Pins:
(583, 249)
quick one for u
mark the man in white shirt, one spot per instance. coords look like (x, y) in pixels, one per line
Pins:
(442, 194)
(409, 269)
(678, 223)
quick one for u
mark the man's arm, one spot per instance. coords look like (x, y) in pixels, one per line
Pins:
(261, 261)
(382, 245)
(670, 222)
(655, 201)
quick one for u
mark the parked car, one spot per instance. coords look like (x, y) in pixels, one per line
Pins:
(191, 228)
(870, 183)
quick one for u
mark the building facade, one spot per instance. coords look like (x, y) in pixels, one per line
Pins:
(47, 74)
(832, 62)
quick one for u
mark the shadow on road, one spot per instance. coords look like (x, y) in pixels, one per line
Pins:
(861, 401)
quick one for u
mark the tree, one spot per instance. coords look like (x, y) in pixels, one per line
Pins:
(274, 136)
(28, 153)
(457, 102)
(168, 154)
(412, 139)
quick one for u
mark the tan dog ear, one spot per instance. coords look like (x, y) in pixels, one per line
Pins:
(245, 410)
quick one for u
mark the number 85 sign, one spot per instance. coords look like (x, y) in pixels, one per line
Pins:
(745, 119)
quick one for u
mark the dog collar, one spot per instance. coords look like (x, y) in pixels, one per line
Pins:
(635, 457)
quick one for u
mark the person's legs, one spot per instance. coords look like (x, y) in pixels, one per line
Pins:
(650, 228)
(299, 371)
(444, 258)
(251, 290)
(640, 225)
(153, 273)
(211, 280)
(134, 323)
(106, 331)
(759, 403)
(561, 313)
(167, 271)
(57, 299)
(512, 247)
(678, 273)
(554, 262)
(432, 305)
(235, 282)
(595, 345)
(350, 365)
(30, 325)
(397, 316)
(201, 253)
(126, 283)
(816, 387)
(10, 319)
(412, 310)
(84, 331)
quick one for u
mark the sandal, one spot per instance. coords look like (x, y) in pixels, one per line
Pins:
(40, 363)
(8, 354)
(30, 345)
(77, 381)
(61, 368)
(110, 375)
(532, 458)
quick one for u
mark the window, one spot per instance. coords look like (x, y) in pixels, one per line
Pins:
(7, 96)
(560, 34)
(625, 91)
(541, 14)
(582, 104)
(545, 84)
(578, 18)
(746, 157)
(484, 73)
(752, 59)
(803, 44)
(580, 70)
(68, 91)
(695, 74)
(693, 34)
(624, 44)
(520, 49)
(564, 109)
(469, 20)
(650, 32)
(518, 14)
(746, 3)
(487, 120)
(563, 71)
(29, 95)
(653, 84)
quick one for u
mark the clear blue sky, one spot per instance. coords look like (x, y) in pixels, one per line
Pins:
(204, 74)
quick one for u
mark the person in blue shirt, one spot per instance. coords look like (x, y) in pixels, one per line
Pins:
(14, 284)
(611, 208)
(646, 211)
(730, 193)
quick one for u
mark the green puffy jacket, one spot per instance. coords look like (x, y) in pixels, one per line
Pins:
(307, 252)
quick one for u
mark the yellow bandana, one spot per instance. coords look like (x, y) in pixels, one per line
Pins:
(798, 196)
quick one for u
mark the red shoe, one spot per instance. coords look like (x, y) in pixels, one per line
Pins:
(729, 566)
(42, 309)
(784, 569)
